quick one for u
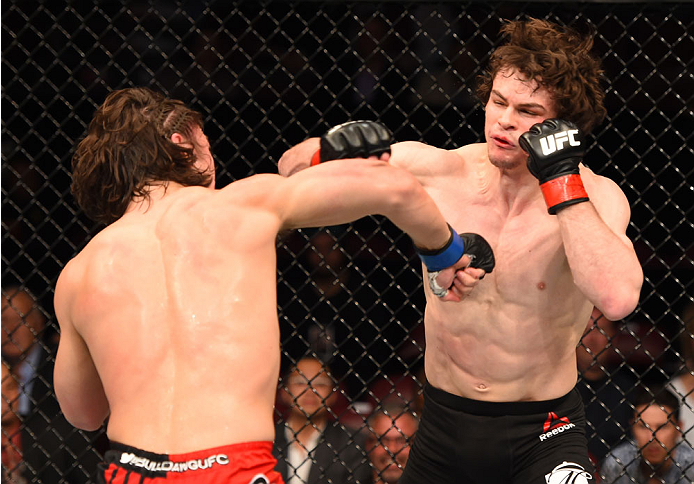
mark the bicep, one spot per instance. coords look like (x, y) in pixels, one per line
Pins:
(340, 191)
(336, 192)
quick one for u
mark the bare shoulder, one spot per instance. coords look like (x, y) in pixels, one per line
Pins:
(257, 201)
(97, 261)
(473, 150)
(423, 160)
(259, 191)
(473, 153)
(66, 288)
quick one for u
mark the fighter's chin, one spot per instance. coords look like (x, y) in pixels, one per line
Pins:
(504, 163)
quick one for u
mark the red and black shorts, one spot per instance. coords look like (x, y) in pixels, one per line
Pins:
(246, 463)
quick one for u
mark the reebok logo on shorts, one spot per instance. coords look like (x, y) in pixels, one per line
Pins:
(555, 425)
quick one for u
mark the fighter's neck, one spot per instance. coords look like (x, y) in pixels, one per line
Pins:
(157, 192)
(516, 186)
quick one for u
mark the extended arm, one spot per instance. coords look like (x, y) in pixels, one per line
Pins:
(410, 155)
(363, 187)
(345, 190)
(77, 383)
(367, 138)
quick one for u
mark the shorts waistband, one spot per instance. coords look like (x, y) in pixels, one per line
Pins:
(189, 461)
(493, 409)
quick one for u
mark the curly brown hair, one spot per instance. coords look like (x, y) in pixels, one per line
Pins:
(128, 148)
(559, 60)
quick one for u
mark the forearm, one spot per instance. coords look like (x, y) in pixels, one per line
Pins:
(416, 214)
(298, 157)
(78, 386)
(604, 265)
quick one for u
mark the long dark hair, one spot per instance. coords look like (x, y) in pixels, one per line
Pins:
(128, 147)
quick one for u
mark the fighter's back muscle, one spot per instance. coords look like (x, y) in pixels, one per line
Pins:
(186, 291)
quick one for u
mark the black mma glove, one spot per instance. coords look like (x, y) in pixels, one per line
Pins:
(354, 139)
(473, 245)
(555, 148)
(479, 250)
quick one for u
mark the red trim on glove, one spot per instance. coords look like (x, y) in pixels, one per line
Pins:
(315, 159)
(563, 189)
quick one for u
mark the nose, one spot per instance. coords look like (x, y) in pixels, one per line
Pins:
(506, 118)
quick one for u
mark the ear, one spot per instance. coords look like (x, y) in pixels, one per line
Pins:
(177, 138)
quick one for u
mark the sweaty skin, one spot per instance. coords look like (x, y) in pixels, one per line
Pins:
(513, 337)
(168, 316)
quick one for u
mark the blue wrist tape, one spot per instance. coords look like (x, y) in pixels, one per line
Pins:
(445, 257)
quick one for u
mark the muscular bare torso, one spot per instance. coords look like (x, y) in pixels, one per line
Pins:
(177, 305)
(514, 337)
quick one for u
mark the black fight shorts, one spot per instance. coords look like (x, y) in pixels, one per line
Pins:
(465, 441)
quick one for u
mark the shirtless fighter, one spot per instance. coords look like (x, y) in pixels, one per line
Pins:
(168, 316)
(501, 406)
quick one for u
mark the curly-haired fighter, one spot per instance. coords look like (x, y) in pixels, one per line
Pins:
(501, 406)
(168, 316)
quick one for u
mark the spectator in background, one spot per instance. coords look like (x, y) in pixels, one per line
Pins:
(682, 385)
(325, 302)
(654, 455)
(392, 429)
(51, 448)
(312, 447)
(12, 464)
(329, 274)
(397, 389)
(603, 386)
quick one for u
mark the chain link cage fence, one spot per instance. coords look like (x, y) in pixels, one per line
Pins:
(266, 75)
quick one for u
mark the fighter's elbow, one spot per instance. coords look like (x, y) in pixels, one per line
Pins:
(618, 304)
(298, 157)
(88, 425)
(89, 420)
(86, 415)
(285, 167)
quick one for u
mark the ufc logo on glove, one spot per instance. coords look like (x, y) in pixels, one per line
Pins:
(555, 150)
(552, 143)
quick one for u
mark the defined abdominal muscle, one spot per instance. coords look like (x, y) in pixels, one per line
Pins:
(499, 364)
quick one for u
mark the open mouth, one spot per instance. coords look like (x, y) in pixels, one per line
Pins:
(502, 142)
